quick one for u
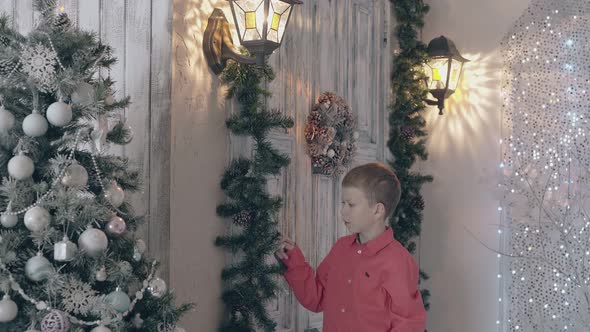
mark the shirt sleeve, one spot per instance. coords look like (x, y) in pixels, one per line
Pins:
(308, 287)
(404, 301)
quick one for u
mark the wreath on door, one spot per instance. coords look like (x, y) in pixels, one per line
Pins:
(331, 135)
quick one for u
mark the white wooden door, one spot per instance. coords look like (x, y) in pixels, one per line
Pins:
(139, 32)
(340, 46)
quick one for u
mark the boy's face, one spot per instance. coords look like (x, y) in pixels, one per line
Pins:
(358, 214)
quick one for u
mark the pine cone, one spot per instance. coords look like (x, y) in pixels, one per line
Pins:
(418, 203)
(62, 21)
(4, 40)
(6, 66)
(243, 218)
(407, 133)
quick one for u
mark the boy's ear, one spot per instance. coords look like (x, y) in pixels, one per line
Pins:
(380, 209)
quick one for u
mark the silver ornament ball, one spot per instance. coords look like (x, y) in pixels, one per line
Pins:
(38, 268)
(101, 328)
(141, 246)
(116, 226)
(6, 120)
(59, 114)
(21, 167)
(8, 309)
(157, 287)
(35, 125)
(118, 300)
(37, 219)
(114, 194)
(8, 220)
(109, 99)
(75, 176)
(93, 241)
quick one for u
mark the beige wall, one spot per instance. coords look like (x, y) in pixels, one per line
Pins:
(464, 153)
(198, 159)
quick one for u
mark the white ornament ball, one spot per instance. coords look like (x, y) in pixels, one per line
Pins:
(8, 220)
(37, 219)
(8, 309)
(331, 153)
(75, 176)
(179, 329)
(119, 300)
(101, 328)
(130, 134)
(55, 321)
(21, 167)
(38, 268)
(93, 241)
(114, 194)
(116, 226)
(157, 287)
(109, 99)
(84, 94)
(355, 135)
(6, 120)
(59, 114)
(35, 125)
(141, 246)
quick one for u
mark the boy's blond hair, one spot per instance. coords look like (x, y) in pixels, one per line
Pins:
(378, 182)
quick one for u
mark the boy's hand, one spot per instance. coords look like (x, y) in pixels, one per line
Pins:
(285, 246)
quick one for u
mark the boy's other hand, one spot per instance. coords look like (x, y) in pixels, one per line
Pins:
(285, 246)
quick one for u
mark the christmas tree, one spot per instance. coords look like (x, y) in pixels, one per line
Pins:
(69, 256)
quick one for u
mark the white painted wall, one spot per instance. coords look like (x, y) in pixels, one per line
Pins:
(198, 159)
(464, 153)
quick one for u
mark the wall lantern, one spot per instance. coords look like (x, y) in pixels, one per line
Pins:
(443, 70)
(261, 26)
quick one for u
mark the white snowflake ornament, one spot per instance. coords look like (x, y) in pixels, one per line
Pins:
(78, 297)
(39, 63)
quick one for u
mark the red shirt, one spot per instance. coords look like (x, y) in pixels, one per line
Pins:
(370, 287)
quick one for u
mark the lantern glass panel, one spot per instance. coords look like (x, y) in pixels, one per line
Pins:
(437, 70)
(456, 67)
(249, 19)
(278, 17)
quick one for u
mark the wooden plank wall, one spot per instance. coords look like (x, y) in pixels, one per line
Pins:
(340, 46)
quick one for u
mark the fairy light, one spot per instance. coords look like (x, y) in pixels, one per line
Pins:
(544, 166)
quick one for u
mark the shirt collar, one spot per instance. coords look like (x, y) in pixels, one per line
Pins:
(375, 245)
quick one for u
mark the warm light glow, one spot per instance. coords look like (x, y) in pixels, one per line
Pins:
(436, 74)
(436, 70)
(276, 19)
(456, 68)
(62, 8)
(251, 20)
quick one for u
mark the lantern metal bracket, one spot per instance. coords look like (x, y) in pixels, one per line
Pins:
(218, 45)
(440, 103)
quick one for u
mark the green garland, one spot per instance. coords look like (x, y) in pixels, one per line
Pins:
(250, 283)
(407, 134)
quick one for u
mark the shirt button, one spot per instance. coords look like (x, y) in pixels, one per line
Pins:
(359, 252)
(343, 310)
(350, 281)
